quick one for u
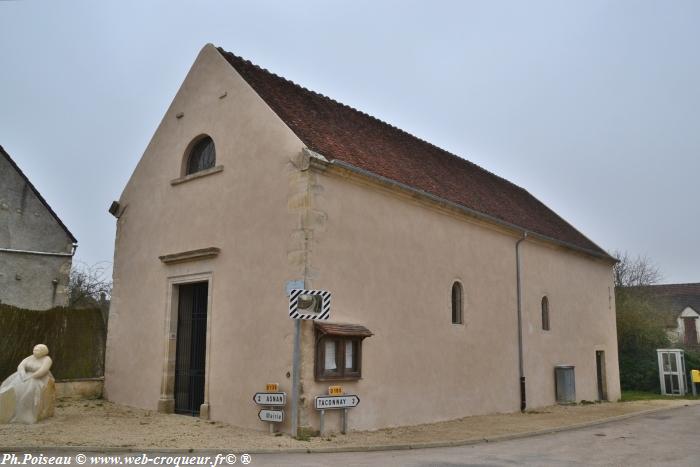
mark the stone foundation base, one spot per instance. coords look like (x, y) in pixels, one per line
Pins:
(166, 405)
(84, 388)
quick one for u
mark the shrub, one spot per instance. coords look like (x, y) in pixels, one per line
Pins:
(640, 331)
(75, 337)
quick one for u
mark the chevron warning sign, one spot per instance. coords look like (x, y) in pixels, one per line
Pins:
(309, 304)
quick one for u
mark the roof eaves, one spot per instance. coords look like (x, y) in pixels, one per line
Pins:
(596, 251)
(477, 214)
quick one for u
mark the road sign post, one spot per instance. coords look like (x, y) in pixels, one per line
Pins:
(323, 403)
(296, 368)
(271, 401)
(310, 305)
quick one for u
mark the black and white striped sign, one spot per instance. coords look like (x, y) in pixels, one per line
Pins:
(324, 311)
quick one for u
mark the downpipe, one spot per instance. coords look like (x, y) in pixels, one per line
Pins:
(521, 371)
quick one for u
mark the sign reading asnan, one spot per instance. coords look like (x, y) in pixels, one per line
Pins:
(270, 398)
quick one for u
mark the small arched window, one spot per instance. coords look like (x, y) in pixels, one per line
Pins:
(457, 299)
(545, 313)
(202, 156)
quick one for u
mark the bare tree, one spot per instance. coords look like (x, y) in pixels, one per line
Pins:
(634, 271)
(89, 286)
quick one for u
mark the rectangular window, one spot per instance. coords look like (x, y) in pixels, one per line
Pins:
(330, 362)
(349, 362)
(339, 351)
(338, 358)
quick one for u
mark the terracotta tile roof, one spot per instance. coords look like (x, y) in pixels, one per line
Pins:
(341, 329)
(340, 132)
(38, 195)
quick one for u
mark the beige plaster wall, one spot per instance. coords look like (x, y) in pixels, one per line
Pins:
(582, 321)
(390, 262)
(243, 210)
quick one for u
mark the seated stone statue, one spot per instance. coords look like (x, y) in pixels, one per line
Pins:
(27, 395)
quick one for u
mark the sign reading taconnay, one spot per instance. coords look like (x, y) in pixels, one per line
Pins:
(336, 402)
(270, 398)
(267, 415)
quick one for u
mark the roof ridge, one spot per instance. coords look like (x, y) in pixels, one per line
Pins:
(383, 122)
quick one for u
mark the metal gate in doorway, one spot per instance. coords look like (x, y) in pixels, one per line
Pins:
(600, 375)
(190, 353)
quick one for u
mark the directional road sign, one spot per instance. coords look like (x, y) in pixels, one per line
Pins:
(267, 415)
(336, 402)
(270, 398)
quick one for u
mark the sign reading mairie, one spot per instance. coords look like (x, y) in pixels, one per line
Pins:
(267, 415)
(270, 398)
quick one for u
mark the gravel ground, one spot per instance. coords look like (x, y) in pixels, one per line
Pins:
(100, 423)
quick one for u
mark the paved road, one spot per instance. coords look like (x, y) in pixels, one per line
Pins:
(669, 438)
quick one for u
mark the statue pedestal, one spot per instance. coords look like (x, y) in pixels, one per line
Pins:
(47, 404)
(7, 406)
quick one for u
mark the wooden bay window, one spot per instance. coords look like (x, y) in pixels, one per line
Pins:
(339, 351)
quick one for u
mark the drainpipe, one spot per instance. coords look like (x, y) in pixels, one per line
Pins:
(523, 398)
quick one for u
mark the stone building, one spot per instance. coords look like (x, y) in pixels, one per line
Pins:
(36, 248)
(454, 291)
(679, 307)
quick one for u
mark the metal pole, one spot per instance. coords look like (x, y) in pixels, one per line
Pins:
(694, 390)
(345, 421)
(521, 370)
(296, 367)
(272, 427)
(322, 423)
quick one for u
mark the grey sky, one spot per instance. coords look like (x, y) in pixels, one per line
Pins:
(593, 106)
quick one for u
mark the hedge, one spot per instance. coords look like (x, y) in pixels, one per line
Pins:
(75, 337)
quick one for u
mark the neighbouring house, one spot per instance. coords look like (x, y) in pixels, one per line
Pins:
(679, 305)
(36, 248)
(437, 267)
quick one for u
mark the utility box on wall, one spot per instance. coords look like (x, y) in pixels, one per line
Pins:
(565, 384)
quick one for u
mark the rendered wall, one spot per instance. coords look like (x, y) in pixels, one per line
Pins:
(243, 210)
(390, 263)
(26, 280)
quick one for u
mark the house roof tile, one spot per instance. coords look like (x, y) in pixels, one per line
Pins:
(340, 132)
(671, 298)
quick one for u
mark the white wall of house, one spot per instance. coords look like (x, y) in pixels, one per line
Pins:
(688, 312)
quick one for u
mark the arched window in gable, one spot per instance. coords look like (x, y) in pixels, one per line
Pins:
(202, 156)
